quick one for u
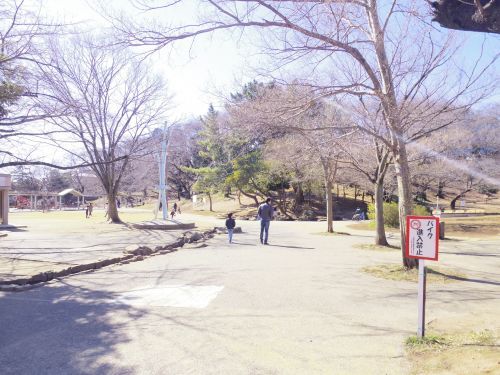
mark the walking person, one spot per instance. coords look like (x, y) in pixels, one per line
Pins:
(230, 224)
(266, 214)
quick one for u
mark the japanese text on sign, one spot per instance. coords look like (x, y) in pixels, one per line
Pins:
(422, 237)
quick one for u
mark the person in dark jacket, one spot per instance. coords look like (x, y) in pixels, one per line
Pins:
(230, 224)
(266, 214)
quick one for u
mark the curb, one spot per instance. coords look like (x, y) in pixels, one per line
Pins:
(133, 253)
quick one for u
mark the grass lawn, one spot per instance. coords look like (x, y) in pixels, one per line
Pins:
(372, 247)
(472, 352)
(75, 221)
(397, 272)
(472, 226)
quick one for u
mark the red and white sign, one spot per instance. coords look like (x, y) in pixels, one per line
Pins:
(422, 237)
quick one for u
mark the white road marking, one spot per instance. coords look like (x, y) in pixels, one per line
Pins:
(191, 296)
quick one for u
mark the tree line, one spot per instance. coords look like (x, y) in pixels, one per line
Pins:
(373, 92)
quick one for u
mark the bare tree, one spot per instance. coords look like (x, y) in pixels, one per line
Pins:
(384, 54)
(110, 102)
(371, 158)
(313, 131)
(468, 157)
(22, 31)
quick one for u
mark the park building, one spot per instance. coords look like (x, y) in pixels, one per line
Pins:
(5, 184)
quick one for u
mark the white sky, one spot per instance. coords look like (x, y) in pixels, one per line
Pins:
(215, 65)
(196, 75)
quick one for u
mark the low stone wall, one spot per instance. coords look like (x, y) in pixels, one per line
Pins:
(164, 226)
(132, 253)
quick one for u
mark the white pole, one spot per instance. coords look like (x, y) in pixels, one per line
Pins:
(421, 298)
(163, 180)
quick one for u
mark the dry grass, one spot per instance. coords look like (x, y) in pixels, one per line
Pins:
(435, 274)
(334, 233)
(367, 225)
(372, 247)
(476, 352)
(472, 226)
(75, 221)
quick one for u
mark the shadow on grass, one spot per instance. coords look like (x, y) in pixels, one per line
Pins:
(460, 278)
(472, 254)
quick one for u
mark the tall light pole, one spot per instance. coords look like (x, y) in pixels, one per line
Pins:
(162, 163)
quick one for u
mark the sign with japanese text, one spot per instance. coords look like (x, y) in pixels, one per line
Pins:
(422, 237)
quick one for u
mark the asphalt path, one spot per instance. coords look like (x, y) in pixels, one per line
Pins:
(301, 305)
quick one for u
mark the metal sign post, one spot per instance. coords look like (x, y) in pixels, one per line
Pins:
(422, 242)
(422, 280)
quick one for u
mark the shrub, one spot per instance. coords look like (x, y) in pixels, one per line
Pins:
(488, 190)
(421, 210)
(391, 213)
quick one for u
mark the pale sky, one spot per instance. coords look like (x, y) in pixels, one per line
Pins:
(217, 64)
(196, 75)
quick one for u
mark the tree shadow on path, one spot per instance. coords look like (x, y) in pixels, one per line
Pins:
(62, 329)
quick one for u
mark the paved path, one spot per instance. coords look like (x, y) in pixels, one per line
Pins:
(52, 245)
(299, 306)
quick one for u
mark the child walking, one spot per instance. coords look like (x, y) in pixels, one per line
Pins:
(230, 224)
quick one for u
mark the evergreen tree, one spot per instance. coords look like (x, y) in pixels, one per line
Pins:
(57, 181)
(213, 164)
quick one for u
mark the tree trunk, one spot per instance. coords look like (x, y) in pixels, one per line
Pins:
(299, 195)
(389, 102)
(254, 197)
(187, 192)
(405, 198)
(210, 202)
(454, 200)
(112, 209)
(283, 200)
(282, 209)
(380, 238)
(355, 193)
(343, 190)
(338, 190)
(329, 208)
(239, 197)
